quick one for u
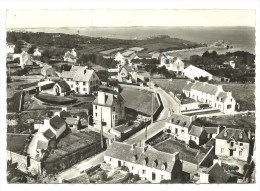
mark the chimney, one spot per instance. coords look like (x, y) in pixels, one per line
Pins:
(46, 121)
(249, 135)
(133, 146)
(204, 177)
(101, 97)
(229, 94)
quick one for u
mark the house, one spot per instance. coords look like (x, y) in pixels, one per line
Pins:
(81, 81)
(212, 131)
(70, 56)
(126, 57)
(230, 63)
(198, 135)
(178, 125)
(108, 107)
(61, 88)
(37, 52)
(10, 48)
(156, 55)
(46, 86)
(119, 58)
(193, 72)
(24, 57)
(147, 162)
(125, 74)
(214, 95)
(174, 64)
(233, 143)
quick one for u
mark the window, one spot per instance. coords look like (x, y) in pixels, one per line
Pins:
(114, 108)
(228, 106)
(232, 144)
(144, 171)
(240, 153)
(110, 159)
(71, 86)
(241, 144)
(96, 107)
(222, 150)
(96, 114)
(231, 100)
(84, 89)
(222, 99)
(217, 98)
(182, 131)
(133, 167)
(77, 82)
(84, 83)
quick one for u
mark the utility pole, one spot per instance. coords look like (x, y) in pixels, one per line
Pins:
(101, 131)
(152, 110)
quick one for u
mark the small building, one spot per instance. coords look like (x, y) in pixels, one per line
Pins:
(233, 143)
(73, 123)
(37, 52)
(198, 135)
(147, 162)
(178, 125)
(61, 88)
(10, 48)
(136, 49)
(174, 64)
(156, 55)
(25, 59)
(108, 108)
(214, 95)
(193, 72)
(70, 56)
(125, 74)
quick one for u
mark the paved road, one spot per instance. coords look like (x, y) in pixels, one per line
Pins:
(152, 129)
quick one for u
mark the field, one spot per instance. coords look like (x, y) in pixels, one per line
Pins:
(176, 85)
(244, 94)
(139, 100)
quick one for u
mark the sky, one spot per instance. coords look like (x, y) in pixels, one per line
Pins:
(126, 18)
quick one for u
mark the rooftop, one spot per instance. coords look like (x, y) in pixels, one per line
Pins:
(231, 133)
(217, 174)
(17, 143)
(146, 156)
(196, 130)
(181, 120)
(57, 122)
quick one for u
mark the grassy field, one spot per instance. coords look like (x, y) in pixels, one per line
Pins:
(176, 85)
(139, 100)
(244, 94)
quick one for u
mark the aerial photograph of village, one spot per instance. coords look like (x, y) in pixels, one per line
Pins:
(118, 97)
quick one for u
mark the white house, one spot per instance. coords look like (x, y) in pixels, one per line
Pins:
(174, 64)
(232, 143)
(193, 72)
(214, 95)
(178, 125)
(108, 107)
(61, 88)
(125, 57)
(81, 81)
(147, 162)
(24, 57)
(70, 56)
(231, 63)
(10, 48)
(198, 135)
(37, 52)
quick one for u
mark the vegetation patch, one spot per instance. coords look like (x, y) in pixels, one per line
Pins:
(56, 100)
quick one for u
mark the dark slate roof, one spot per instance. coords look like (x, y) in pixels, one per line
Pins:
(42, 144)
(49, 134)
(128, 68)
(124, 152)
(205, 87)
(64, 86)
(233, 133)
(217, 174)
(57, 122)
(64, 114)
(188, 87)
(223, 95)
(110, 97)
(181, 120)
(211, 130)
(196, 130)
(79, 75)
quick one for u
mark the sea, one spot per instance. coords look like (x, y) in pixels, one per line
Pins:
(242, 38)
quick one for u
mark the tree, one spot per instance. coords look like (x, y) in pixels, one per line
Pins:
(206, 54)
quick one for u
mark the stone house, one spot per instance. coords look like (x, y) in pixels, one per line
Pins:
(232, 143)
(108, 107)
(147, 162)
(61, 88)
(70, 56)
(174, 64)
(82, 81)
(198, 135)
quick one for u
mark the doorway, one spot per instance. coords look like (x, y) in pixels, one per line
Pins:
(153, 176)
(119, 163)
(231, 152)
